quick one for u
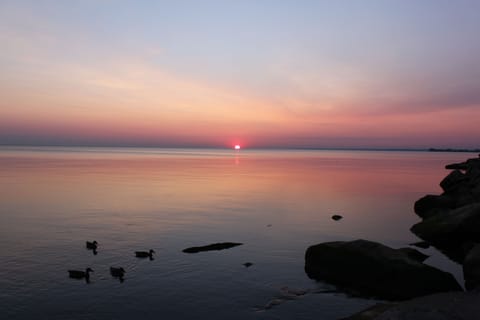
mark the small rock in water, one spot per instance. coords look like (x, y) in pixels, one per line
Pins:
(248, 264)
(269, 225)
(336, 217)
(213, 246)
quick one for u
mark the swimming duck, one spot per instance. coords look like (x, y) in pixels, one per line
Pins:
(145, 254)
(117, 273)
(92, 246)
(77, 274)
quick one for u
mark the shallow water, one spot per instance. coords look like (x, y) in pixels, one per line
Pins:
(275, 202)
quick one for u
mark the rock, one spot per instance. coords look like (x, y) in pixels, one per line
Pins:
(457, 166)
(440, 306)
(471, 268)
(371, 269)
(337, 217)
(211, 247)
(421, 244)
(431, 205)
(414, 254)
(459, 224)
(247, 264)
(453, 231)
(452, 180)
(371, 312)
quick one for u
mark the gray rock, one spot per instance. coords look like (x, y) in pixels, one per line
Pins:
(370, 269)
(471, 268)
(440, 306)
(421, 244)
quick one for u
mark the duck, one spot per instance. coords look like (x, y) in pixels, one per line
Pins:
(117, 273)
(77, 274)
(145, 254)
(92, 246)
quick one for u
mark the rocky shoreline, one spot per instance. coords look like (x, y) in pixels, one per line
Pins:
(450, 223)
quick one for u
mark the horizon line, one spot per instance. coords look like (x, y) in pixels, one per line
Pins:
(430, 149)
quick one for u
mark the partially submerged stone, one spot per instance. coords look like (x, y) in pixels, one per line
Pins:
(370, 269)
(212, 247)
(440, 306)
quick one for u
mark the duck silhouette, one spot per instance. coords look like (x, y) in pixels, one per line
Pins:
(92, 246)
(77, 274)
(145, 254)
(117, 273)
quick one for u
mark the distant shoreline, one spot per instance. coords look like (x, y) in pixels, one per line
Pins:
(453, 150)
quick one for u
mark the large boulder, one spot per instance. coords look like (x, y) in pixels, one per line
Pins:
(430, 205)
(370, 269)
(460, 224)
(471, 268)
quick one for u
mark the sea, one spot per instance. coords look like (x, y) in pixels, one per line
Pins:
(276, 203)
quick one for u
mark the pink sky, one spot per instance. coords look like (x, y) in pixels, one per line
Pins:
(385, 78)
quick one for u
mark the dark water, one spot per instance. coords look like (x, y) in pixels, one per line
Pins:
(275, 202)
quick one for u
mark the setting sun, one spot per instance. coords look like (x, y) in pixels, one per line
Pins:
(237, 147)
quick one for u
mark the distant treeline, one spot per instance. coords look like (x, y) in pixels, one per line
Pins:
(453, 150)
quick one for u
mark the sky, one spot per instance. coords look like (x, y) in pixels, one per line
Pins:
(260, 73)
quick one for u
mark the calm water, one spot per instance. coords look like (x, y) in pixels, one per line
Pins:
(275, 202)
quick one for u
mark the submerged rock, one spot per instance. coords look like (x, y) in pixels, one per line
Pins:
(370, 269)
(212, 247)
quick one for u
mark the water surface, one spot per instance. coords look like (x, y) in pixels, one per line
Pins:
(275, 202)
